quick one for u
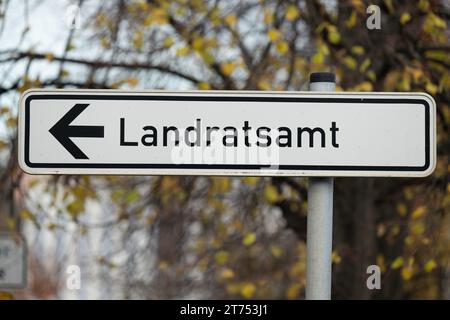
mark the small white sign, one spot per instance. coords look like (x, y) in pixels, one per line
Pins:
(12, 261)
(227, 133)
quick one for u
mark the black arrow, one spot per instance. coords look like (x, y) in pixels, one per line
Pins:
(63, 131)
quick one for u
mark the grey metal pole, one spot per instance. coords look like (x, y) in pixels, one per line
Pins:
(320, 218)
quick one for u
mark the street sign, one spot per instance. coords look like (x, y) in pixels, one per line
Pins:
(224, 133)
(12, 261)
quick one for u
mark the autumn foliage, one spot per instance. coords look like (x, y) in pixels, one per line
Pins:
(224, 237)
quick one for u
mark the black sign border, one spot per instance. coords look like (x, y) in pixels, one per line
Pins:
(224, 166)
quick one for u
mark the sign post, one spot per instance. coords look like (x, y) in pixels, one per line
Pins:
(319, 230)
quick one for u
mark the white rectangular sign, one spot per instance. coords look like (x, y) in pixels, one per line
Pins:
(13, 267)
(227, 133)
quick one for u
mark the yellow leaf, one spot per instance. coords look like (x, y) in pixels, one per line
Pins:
(424, 5)
(6, 296)
(183, 51)
(104, 42)
(323, 48)
(168, 42)
(398, 262)
(233, 288)
(364, 86)
(437, 21)
(271, 193)
(418, 212)
(231, 20)
(250, 180)
(405, 17)
(282, 47)
(276, 251)
(263, 84)
(350, 62)
(404, 84)
(227, 68)
(409, 240)
(333, 35)
(221, 184)
(51, 226)
(402, 210)
(163, 265)
(335, 257)
(274, 34)
(11, 122)
(364, 65)
(221, 257)
(132, 82)
(444, 82)
(204, 86)
(418, 228)
(381, 229)
(207, 57)
(49, 56)
(292, 12)
(4, 110)
(138, 40)
(381, 263)
(318, 58)
(3, 144)
(149, 221)
(75, 207)
(293, 291)
(249, 239)
(371, 75)
(248, 290)
(26, 215)
(407, 273)
(148, 20)
(198, 44)
(11, 223)
(430, 265)
(101, 19)
(227, 273)
(268, 16)
(351, 21)
(143, 5)
(431, 88)
(358, 50)
(157, 16)
(65, 73)
(389, 5)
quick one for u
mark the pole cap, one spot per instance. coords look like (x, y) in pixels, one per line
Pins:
(322, 77)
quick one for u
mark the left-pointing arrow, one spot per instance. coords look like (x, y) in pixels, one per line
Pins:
(63, 131)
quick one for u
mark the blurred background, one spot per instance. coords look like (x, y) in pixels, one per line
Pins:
(201, 237)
